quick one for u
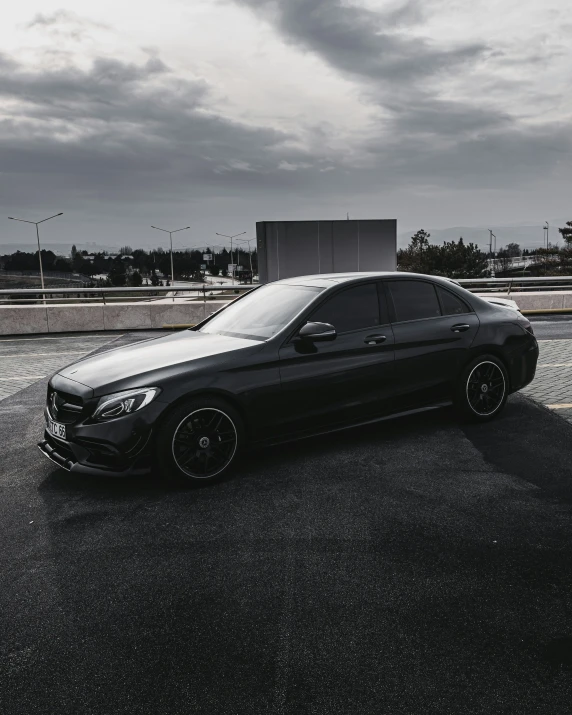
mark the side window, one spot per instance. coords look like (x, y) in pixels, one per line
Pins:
(451, 304)
(352, 309)
(414, 300)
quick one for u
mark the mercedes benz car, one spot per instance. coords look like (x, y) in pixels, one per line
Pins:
(286, 360)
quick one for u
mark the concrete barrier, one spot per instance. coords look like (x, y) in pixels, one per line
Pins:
(88, 317)
(61, 318)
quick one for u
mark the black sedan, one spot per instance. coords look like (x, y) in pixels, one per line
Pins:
(288, 359)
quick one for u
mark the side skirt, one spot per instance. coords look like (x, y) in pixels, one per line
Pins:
(296, 436)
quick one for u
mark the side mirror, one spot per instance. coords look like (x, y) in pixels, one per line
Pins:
(317, 332)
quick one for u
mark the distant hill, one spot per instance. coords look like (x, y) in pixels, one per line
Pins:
(526, 235)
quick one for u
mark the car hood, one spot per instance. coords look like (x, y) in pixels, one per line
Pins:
(150, 356)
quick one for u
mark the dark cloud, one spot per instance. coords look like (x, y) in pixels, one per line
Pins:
(121, 123)
(139, 135)
(362, 42)
(423, 137)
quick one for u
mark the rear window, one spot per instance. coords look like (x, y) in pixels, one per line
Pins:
(414, 300)
(451, 304)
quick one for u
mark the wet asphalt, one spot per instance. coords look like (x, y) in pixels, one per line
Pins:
(413, 566)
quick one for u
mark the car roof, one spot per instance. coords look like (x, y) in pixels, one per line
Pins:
(325, 280)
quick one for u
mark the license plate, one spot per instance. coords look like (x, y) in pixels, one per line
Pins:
(57, 429)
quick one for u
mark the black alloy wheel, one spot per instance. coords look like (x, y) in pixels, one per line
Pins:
(483, 389)
(200, 440)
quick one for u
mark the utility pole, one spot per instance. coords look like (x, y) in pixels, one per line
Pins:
(171, 240)
(36, 223)
(231, 237)
(248, 240)
(547, 228)
(491, 252)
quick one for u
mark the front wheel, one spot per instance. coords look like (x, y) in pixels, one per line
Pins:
(199, 440)
(482, 389)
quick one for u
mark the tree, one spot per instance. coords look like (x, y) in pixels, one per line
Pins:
(125, 251)
(452, 259)
(215, 270)
(73, 252)
(135, 279)
(566, 233)
(513, 250)
(117, 272)
(414, 257)
(420, 241)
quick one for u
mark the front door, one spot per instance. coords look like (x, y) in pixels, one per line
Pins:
(349, 379)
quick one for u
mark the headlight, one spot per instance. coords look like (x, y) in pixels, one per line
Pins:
(124, 403)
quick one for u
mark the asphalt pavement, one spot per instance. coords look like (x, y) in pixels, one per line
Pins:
(413, 566)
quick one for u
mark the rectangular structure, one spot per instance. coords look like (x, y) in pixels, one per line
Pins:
(294, 248)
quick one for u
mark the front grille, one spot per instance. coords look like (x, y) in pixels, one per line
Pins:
(64, 407)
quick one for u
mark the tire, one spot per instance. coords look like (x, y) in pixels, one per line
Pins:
(199, 441)
(482, 389)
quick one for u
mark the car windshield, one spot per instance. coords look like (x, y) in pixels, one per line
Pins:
(262, 313)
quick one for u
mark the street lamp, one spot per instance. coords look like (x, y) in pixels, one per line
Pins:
(36, 223)
(231, 237)
(171, 240)
(248, 240)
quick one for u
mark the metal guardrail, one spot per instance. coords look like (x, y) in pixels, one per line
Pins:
(110, 294)
(206, 292)
(513, 285)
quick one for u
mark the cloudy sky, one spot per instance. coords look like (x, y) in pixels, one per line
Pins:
(218, 113)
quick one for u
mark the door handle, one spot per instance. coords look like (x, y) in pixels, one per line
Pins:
(375, 339)
(460, 327)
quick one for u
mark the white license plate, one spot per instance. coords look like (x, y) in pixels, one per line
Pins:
(57, 429)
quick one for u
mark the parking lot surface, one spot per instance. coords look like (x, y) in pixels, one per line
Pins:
(413, 566)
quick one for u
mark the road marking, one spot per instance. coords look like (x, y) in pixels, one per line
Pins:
(562, 406)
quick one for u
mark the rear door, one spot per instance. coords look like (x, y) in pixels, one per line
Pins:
(348, 379)
(433, 330)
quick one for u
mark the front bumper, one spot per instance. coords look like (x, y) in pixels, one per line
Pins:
(118, 448)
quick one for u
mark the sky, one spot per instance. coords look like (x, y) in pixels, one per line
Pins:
(215, 114)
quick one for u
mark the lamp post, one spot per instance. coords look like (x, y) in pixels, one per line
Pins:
(171, 240)
(248, 240)
(231, 237)
(36, 223)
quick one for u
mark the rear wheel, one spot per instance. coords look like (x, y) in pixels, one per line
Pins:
(482, 389)
(200, 440)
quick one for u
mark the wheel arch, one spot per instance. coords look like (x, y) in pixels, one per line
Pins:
(207, 392)
(492, 350)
